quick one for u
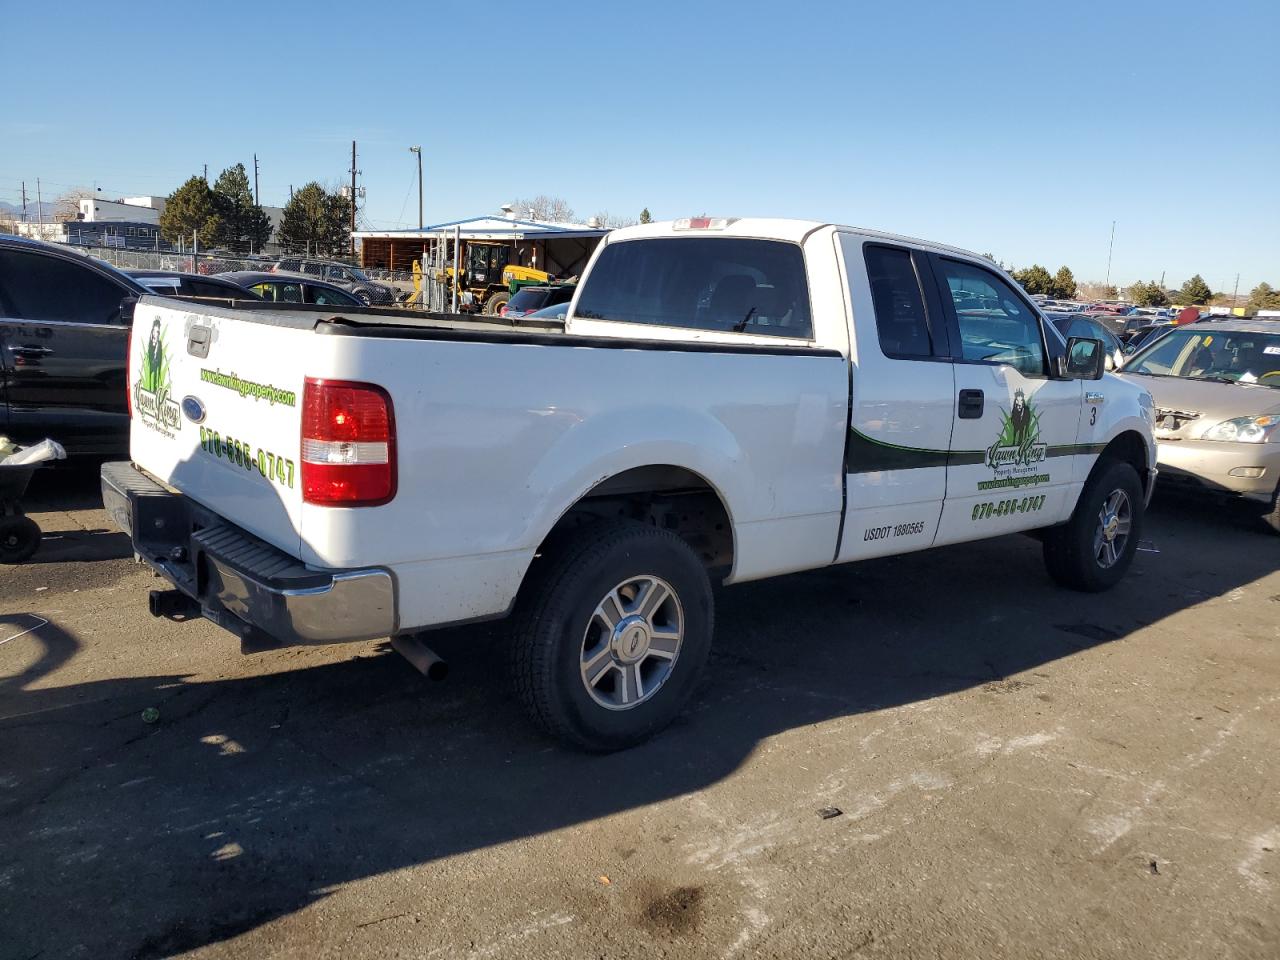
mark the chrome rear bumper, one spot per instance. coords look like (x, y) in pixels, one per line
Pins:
(240, 582)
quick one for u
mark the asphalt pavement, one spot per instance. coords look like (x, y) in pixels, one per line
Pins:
(935, 755)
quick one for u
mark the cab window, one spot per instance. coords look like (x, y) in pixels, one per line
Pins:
(901, 321)
(996, 324)
(729, 284)
(45, 288)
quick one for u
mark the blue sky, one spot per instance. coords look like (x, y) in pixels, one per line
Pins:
(1022, 129)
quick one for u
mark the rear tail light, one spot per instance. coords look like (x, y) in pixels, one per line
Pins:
(348, 444)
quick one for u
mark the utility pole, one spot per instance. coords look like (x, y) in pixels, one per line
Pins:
(1110, 249)
(1236, 291)
(206, 174)
(418, 151)
(39, 208)
(353, 199)
(257, 200)
(24, 201)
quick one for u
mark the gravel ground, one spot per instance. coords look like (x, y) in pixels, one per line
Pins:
(937, 755)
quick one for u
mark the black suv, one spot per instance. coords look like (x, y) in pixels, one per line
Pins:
(64, 334)
(528, 299)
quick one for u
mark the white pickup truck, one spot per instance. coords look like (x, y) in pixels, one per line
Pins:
(726, 400)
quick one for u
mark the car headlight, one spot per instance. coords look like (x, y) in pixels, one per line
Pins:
(1246, 430)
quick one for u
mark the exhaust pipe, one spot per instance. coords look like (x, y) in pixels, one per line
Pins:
(172, 605)
(425, 660)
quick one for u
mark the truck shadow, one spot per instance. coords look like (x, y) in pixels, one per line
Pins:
(252, 797)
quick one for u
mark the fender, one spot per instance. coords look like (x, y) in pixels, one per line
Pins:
(585, 457)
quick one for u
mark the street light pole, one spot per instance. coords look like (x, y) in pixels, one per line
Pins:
(418, 151)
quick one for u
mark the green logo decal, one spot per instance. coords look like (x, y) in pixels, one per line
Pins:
(151, 394)
(1017, 452)
(1019, 442)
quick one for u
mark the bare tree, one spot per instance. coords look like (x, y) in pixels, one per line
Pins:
(542, 207)
(1096, 291)
(610, 222)
(68, 205)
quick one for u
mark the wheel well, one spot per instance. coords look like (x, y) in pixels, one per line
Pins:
(664, 496)
(1129, 448)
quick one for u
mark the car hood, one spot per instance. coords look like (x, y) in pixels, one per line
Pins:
(1185, 408)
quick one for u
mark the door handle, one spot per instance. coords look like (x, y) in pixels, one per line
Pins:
(971, 404)
(28, 354)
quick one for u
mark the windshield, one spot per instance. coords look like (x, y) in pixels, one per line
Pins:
(1227, 355)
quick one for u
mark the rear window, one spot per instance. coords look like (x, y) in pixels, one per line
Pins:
(528, 299)
(703, 283)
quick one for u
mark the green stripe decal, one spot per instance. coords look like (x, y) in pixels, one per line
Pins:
(868, 455)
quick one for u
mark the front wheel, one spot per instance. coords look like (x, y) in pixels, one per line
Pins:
(1092, 551)
(19, 539)
(1272, 517)
(613, 631)
(493, 306)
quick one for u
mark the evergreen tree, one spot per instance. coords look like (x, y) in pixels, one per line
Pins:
(317, 221)
(191, 209)
(1035, 279)
(1195, 291)
(1064, 284)
(1263, 297)
(645, 216)
(244, 224)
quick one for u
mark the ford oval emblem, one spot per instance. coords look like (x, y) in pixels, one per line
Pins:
(193, 409)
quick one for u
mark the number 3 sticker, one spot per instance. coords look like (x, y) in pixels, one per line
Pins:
(1093, 416)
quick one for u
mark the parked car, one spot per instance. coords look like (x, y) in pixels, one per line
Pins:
(1078, 325)
(727, 400)
(1217, 408)
(1144, 334)
(528, 299)
(557, 311)
(349, 278)
(292, 288)
(191, 286)
(64, 328)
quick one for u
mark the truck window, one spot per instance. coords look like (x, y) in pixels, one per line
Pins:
(996, 325)
(42, 288)
(895, 293)
(703, 283)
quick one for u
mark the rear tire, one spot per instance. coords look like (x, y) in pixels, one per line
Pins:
(611, 634)
(496, 302)
(1092, 551)
(19, 539)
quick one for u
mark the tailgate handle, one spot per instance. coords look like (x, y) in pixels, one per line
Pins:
(971, 404)
(198, 341)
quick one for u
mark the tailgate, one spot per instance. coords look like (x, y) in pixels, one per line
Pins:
(216, 400)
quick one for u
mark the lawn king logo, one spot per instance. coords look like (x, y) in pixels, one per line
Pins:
(151, 394)
(1019, 442)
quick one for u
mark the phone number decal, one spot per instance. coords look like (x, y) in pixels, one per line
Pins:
(240, 454)
(1004, 508)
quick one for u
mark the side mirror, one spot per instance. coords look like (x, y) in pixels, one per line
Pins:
(1086, 358)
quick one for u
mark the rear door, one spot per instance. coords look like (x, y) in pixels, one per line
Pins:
(63, 343)
(217, 397)
(1015, 427)
(900, 415)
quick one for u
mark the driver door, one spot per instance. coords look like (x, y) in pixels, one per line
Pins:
(1014, 431)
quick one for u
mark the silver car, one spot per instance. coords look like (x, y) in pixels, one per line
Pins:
(1216, 392)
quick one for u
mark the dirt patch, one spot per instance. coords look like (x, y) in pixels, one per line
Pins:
(677, 911)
